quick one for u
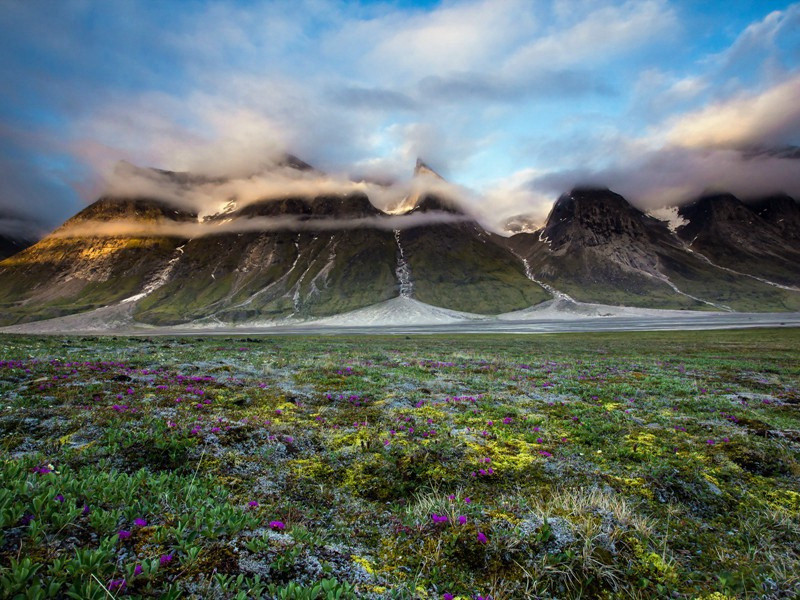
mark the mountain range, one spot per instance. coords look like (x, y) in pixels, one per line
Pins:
(333, 253)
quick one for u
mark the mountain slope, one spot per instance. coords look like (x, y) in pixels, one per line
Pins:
(270, 274)
(461, 267)
(63, 274)
(738, 237)
(596, 247)
(12, 245)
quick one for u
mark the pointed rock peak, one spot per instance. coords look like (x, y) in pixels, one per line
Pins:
(291, 161)
(434, 203)
(422, 168)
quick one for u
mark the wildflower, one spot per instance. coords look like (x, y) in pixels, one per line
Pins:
(59, 498)
(124, 534)
(85, 510)
(277, 525)
(710, 442)
(116, 585)
(462, 520)
(467, 500)
(439, 518)
(252, 504)
(508, 420)
(165, 558)
(137, 570)
(447, 596)
(482, 539)
(140, 522)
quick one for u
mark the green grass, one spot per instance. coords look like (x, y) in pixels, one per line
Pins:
(620, 465)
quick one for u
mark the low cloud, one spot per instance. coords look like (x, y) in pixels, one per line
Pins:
(207, 196)
(674, 176)
(184, 230)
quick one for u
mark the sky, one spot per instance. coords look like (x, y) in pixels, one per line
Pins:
(513, 101)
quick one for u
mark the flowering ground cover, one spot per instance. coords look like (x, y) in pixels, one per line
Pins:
(636, 465)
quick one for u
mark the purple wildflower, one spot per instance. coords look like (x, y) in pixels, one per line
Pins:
(116, 585)
(278, 525)
(165, 558)
(462, 520)
(124, 534)
(482, 539)
(140, 522)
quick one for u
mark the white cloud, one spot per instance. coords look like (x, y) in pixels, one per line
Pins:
(771, 117)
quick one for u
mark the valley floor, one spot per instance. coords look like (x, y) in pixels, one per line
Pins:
(409, 316)
(595, 465)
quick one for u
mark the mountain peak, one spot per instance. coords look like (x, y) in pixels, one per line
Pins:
(422, 168)
(591, 217)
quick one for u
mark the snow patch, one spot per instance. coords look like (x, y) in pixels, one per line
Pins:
(669, 214)
(159, 279)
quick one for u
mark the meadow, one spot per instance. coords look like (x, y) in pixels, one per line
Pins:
(624, 465)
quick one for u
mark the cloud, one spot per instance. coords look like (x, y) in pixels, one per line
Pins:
(372, 98)
(461, 87)
(206, 196)
(479, 88)
(768, 118)
(596, 36)
(673, 176)
(128, 228)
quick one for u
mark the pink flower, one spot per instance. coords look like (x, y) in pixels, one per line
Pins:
(439, 518)
(278, 525)
(462, 520)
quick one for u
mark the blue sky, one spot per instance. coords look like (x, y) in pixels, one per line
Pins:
(515, 99)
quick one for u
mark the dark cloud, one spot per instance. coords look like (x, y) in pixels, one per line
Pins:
(372, 98)
(484, 87)
(673, 176)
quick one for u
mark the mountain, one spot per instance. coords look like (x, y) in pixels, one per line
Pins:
(760, 239)
(12, 245)
(317, 256)
(16, 233)
(238, 276)
(65, 273)
(780, 211)
(596, 247)
(460, 266)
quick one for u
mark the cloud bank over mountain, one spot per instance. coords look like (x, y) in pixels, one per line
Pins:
(514, 101)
